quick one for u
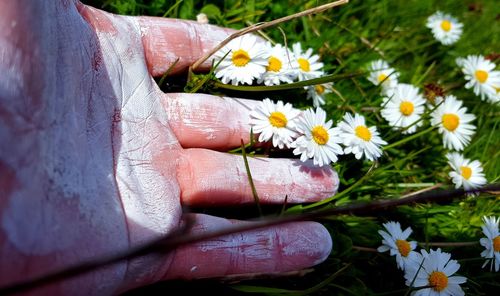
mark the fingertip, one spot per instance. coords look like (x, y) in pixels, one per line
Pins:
(277, 249)
(322, 180)
(209, 178)
(304, 244)
(324, 238)
(169, 40)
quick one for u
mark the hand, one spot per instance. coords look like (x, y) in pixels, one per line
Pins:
(95, 158)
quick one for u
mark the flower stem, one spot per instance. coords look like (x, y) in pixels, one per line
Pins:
(407, 139)
(295, 85)
(450, 244)
(250, 179)
(337, 196)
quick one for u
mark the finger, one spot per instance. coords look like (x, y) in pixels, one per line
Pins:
(165, 40)
(282, 248)
(206, 121)
(214, 178)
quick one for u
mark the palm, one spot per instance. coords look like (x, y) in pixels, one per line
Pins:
(103, 159)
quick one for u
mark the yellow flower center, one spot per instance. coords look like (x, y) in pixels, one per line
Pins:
(450, 121)
(481, 76)
(278, 119)
(466, 172)
(363, 132)
(274, 64)
(320, 135)
(320, 89)
(240, 58)
(406, 108)
(382, 77)
(404, 247)
(496, 244)
(446, 25)
(438, 280)
(304, 64)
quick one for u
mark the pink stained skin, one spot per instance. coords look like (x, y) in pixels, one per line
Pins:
(94, 158)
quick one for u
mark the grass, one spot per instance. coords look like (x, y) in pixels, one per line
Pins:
(348, 38)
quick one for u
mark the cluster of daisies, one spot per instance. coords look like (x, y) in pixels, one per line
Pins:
(312, 136)
(479, 72)
(403, 106)
(245, 60)
(432, 273)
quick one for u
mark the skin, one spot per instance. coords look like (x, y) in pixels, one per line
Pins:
(94, 158)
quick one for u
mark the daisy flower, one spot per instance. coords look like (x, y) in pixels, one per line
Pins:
(481, 77)
(317, 93)
(307, 64)
(319, 140)
(276, 121)
(454, 123)
(491, 242)
(245, 61)
(445, 28)
(395, 241)
(382, 74)
(495, 98)
(465, 172)
(360, 139)
(403, 108)
(279, 66)
(436, 273)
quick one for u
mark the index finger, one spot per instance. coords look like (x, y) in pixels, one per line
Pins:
(166, 40)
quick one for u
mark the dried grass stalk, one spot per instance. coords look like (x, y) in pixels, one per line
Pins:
(264, 25)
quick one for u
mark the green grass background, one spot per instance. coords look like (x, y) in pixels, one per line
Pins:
(348, 38)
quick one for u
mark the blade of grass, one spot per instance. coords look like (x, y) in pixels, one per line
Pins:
(414, 278)
(169, 70)
(167, 13)
(409, 138)
(423, 76)
(250, 179)
(309, 291)
(295, 85)
(335, 197)
(326, 282)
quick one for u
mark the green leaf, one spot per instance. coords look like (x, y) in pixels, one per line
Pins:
(211, 11)
(187, 10)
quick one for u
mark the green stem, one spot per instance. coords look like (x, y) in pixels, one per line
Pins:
(169, 70)
(449, 244)
(172, 8)
(407, 139)
(341, 194)
(414, 278)
(395, 292)
(423, 45)
(326, 281)
(423, 76)
(295, 85)
(250, 179)
(471, 259)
